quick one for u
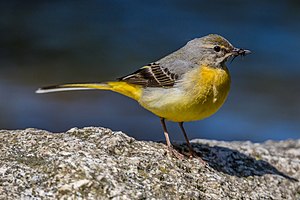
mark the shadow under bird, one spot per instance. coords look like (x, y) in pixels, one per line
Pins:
(189, 84)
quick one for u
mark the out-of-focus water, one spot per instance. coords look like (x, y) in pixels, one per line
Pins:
(48, 42)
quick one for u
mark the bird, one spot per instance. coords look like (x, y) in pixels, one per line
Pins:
(189, 84)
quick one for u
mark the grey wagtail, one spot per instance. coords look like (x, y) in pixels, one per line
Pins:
(189, 84)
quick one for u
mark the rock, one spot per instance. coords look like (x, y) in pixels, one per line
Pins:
(96, 163)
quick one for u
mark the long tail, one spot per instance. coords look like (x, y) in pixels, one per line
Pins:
(127, 89)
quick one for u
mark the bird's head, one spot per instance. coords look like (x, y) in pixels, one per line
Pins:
(214, 50)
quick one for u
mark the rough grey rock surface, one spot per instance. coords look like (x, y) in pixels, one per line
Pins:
(96, 163)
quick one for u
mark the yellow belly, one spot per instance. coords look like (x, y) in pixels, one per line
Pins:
(201, 93)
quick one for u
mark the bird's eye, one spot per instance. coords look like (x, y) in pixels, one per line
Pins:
(217, 48)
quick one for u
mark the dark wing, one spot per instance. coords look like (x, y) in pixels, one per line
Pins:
(152, 75)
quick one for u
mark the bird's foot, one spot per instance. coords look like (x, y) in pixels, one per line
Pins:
(193, 154)
(175, 153)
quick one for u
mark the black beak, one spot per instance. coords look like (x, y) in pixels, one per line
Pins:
(240, 52)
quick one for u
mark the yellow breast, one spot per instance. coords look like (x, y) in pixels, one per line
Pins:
(200, 94)
(210, 91)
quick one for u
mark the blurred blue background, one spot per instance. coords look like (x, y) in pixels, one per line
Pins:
(50, 42)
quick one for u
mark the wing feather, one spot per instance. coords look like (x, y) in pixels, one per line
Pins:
(152, 75)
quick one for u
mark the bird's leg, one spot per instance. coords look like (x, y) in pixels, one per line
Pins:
(191, 151)
(170, 147)
(163, 123)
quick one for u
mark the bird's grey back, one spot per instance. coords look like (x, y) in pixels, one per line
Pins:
(184, 59)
